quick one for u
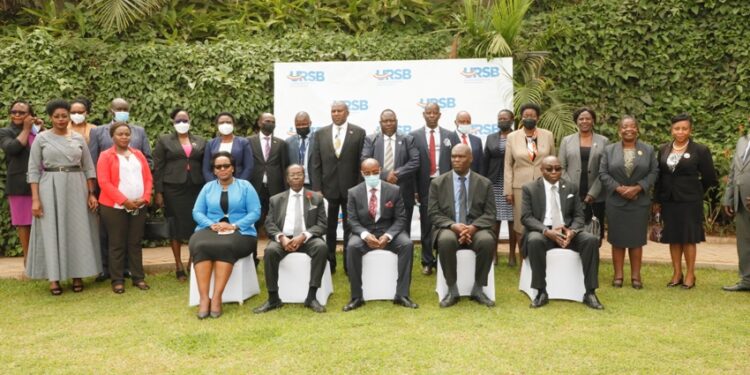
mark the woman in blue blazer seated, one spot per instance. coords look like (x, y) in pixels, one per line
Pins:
(225, 211)
(239, 147)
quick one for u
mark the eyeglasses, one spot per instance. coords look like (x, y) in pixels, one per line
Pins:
(222, 167)
(553, 169)
(18, 113)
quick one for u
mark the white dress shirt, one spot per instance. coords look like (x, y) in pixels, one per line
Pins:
(288, 230)
(226, 146)
(438, 142)
(548, 204)
(377, 209)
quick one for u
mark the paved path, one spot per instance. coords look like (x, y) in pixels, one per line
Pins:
(717, 252)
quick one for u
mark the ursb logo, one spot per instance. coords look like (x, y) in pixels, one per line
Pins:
(307, 76)
(357, 104)
(392, 74)
(481, 72)
(447, 102)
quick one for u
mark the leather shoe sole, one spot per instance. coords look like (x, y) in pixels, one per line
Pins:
(354, 304)
(267, 306)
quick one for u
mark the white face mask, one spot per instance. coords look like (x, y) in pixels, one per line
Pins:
(182, 127)
(464, 129)
(77, 118)
(226, 128)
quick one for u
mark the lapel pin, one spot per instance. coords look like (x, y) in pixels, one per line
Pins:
(686, 155)
(640, 152)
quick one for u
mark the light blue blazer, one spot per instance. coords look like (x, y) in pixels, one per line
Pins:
(244, 206)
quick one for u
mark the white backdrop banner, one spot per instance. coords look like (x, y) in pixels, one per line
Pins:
(478, 86)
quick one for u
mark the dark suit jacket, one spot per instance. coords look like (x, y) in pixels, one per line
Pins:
(16, 161)
(405, 162)
(612, 173)
(738, 184)
(441, 207)
(392, 218)
(494, 161)
(274, 167)
(534, 206)
(443, 162)
(242, 154)
(100, 140)
(692, 177)
(329, 174)
(292, 147)
(476, 150)
(172, 166)
(312, 205)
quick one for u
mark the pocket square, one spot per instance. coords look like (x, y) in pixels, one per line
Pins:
(569, 196)
(389, 204)
(312, 208)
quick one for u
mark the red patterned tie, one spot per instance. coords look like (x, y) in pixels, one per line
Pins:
(373, 206)
(464, 139)
(433, 165)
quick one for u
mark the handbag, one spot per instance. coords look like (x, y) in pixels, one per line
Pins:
(654, 233)
(156, 228)
(593, 227)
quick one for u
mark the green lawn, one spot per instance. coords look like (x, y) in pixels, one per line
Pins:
(654, 331)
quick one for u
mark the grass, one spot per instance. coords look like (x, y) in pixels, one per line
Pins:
(655, 330)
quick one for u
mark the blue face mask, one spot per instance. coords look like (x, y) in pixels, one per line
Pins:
(122, 116)
(372, 181)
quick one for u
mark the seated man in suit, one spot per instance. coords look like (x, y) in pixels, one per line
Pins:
(462, 210)
(378, 221)
(296, 222)
(552, 216)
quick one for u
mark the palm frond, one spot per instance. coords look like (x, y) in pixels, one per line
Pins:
(117, 15)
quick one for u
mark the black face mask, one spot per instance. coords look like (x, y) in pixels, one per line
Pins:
(303, 132)
(505, 125)
(268, 128)
(529, 123)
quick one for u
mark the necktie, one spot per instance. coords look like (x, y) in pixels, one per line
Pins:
(388, 164)
(373, 206)
(462, 200)
(555, 209)
(302, 149)
(433, 165)
(297, 215)
(267, 150)
(463, 139)
(337, 141)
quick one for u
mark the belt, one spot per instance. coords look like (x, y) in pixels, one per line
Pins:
(70, 168)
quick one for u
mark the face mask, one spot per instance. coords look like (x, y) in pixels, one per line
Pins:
(529, 123)
(226, 128)
(464, 129)
(77, 118)
(303, 132)
(182, 127)
(372, 181)
(505, 125)
(122, 116)
(268, 128)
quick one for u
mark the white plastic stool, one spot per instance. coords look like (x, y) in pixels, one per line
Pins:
(294, 279)
(379, 275)
(466, 261)
(242, 284)
(564, 276)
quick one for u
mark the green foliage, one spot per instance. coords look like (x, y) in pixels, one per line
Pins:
(205, 78)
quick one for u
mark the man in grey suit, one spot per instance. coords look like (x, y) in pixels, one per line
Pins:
(100, 140)
(299, 146)
(462, 212)
(737, 204)
(434, 146)
(377, 218)
(334, 169)
(552, 216)
(398, 157)
(296, 222)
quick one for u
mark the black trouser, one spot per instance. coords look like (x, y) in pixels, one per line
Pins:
(484, 245)
(401, 245)
(333, 222)
(585, 244)
(428, 259)
(264, 197)
(314, 247)
(125, 232)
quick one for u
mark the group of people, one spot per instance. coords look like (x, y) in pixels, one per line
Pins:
(219, 194)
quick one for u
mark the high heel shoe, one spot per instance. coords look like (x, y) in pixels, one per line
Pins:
(203, 314)
(617, 282)
(636, 284)
(672, 284)
(691, 286)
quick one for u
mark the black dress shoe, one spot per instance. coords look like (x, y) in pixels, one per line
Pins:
(427, 270)
(405, 302)
(449, 300)
(482, 299)
(736, 288)
(101, 277)
(590, 300)
(314, 305)
(268, 306)
(355, 303)
(540, 300)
